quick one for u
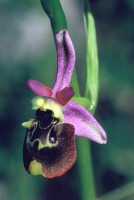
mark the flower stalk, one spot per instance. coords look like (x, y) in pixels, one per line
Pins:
(84, 160)
(85, 168)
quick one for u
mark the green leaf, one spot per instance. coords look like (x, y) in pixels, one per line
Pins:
(91, 90)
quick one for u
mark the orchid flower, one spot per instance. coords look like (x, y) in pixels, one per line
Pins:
(49, 146)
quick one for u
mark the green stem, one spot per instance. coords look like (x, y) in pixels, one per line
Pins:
(55, 13)
(85, 169)
(74, 82)
(84, 160)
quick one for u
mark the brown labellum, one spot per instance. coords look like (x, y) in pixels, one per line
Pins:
(58, 160)
(49, 150)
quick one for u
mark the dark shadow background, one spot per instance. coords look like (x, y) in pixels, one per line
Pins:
(27, 51)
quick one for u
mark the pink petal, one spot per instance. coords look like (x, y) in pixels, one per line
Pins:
(65, 60)
(85, 124)
(63, 96)
(39, 89)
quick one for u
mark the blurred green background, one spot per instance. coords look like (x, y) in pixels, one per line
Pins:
(27, 50)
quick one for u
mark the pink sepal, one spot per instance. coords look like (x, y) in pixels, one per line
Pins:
(39, 89)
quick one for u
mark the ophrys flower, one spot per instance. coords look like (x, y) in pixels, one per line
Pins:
(49, 147)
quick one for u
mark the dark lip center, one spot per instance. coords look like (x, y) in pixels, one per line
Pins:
(42, 127)
(45, 118)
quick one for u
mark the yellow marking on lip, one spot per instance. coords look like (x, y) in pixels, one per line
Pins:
(47, 143)
(35, 168)
(48, 104)
(27, 124)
